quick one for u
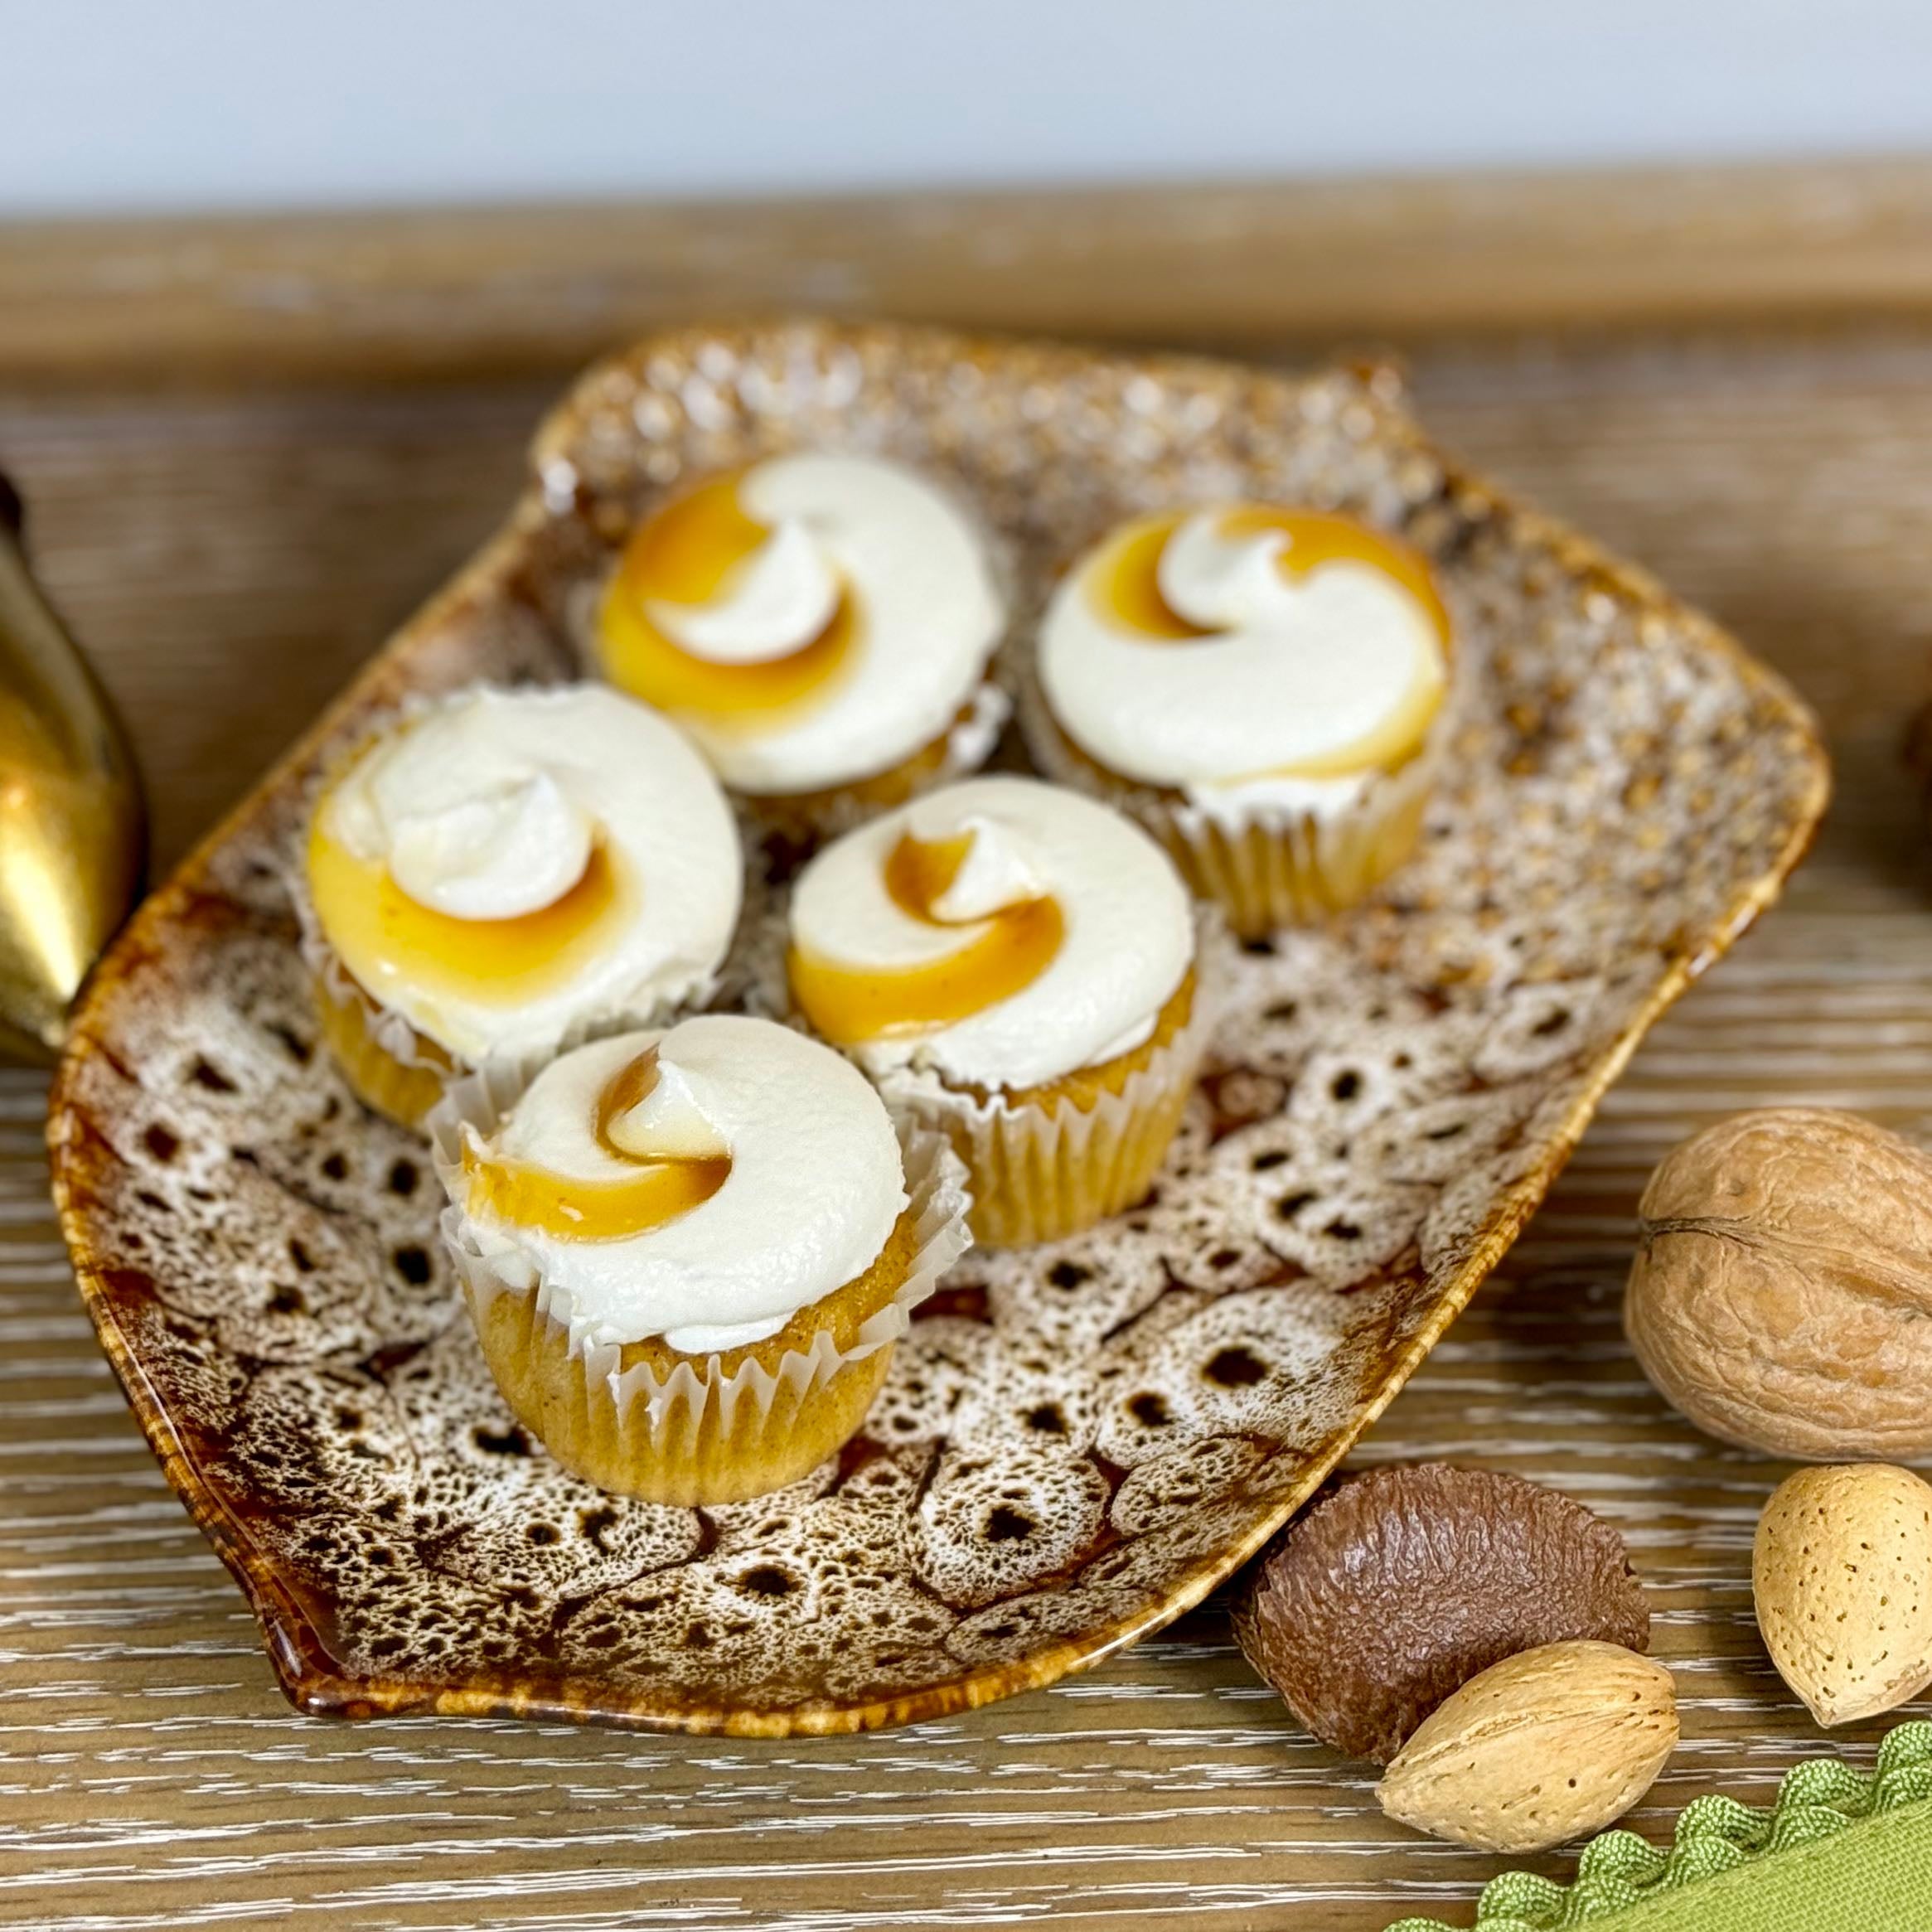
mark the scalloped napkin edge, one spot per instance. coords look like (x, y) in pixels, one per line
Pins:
(1840, 1848)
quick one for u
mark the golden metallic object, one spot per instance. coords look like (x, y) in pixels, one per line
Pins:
(73, 834)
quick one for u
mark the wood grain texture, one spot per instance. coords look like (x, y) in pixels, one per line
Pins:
(406, 295)
(229, 560)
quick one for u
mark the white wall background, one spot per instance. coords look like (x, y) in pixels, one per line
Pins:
(142, 104)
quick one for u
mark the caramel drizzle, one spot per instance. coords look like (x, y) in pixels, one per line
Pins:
(848, 1005)
(1125, 583)
(385, 937)
(687, 554)
(664, 1187)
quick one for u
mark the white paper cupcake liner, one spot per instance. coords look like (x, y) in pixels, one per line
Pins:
(403, 1042)
(388, 1029)
(1041, 1171)
(676, 1435)
(827, 815)
(1266, 865)
(1273, 867)
(970, 742)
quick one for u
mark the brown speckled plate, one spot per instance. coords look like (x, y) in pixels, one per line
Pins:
(1078, 1442)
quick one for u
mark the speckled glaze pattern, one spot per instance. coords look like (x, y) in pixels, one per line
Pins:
(1076, 1443)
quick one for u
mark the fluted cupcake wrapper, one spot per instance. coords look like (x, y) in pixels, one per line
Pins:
(819, 816)
(402, 1073)
(1267, 865)
(1274, 867)
(388, 1066)
(696, 1434)
(1040, 1172)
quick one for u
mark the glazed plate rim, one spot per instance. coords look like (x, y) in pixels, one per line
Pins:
(310, 1677)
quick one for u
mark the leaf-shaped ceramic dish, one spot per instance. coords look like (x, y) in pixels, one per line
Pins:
(1077, 1443)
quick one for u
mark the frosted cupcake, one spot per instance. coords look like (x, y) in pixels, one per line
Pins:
(821, 626)
(1015, 965)
(506, 871)
(1264, 688)
(689, 1254)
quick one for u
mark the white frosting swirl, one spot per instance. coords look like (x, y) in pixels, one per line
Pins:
(512, 844)
(782, 598)
(815, 1186)
(1128, 941)
(929, 614)
(1293, 671)
(488, 807)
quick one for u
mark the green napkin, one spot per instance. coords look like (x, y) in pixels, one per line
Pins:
(1841, 1851)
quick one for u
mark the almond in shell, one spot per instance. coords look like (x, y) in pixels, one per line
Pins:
(1548, 1744)
(1842, 1577)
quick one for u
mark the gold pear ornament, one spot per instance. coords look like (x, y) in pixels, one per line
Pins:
(73, 834)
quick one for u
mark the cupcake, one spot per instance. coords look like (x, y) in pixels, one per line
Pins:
(689, 1253)
(1013, 964)
(503, 872)
(821, 626)
(1264, 688)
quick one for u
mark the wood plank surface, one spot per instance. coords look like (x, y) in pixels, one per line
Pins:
(230, 558)
(455, 294)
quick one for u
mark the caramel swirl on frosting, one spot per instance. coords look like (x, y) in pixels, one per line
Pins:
(666, 1175)
(702, 1184)
(1003, 932)
(811, 620)
(1005, 950)
(508, 864)
(1246, 652)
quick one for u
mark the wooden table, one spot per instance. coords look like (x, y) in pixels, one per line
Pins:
(1758, 431)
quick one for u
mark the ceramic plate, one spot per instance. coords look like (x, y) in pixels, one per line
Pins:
(1078, 1442)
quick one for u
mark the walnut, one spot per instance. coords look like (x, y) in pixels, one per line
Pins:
(1783, 1285)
